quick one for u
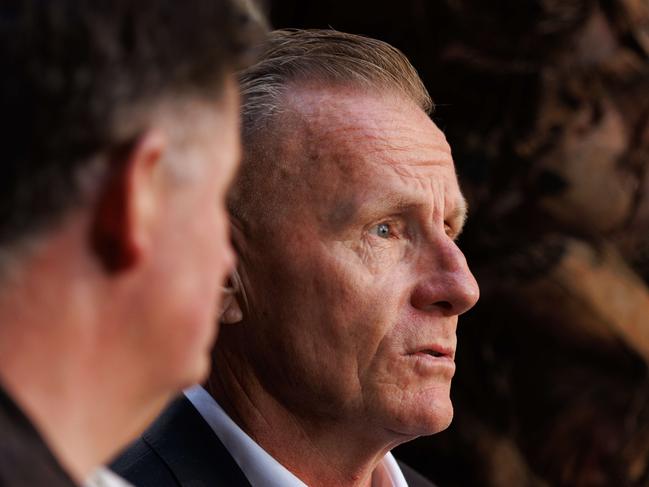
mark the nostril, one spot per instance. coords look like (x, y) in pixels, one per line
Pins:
(444, 305)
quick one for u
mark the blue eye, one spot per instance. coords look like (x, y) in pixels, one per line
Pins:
(382, 230)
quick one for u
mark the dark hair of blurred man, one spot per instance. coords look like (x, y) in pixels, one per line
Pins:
(119, 123)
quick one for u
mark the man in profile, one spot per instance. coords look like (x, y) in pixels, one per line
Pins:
(338, 337)
(119, 138)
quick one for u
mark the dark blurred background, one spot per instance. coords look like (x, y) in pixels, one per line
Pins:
(546, 106)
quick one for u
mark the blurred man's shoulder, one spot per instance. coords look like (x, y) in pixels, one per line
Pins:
(414, 478)
(178, 448)
(25, 459)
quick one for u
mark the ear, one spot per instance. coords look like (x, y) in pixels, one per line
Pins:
(231, 310)
(234, 294)
(120, 232)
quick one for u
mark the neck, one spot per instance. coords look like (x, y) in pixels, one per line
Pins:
(66, 376)
(319, 451)
(83, 427)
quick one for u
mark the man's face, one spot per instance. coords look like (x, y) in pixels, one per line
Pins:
(191, 252)
(355, 281)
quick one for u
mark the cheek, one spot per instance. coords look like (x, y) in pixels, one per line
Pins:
(379, 329)
(213, 253)
(313, 332)
(219, 245)
(360, 314)
(202, 260)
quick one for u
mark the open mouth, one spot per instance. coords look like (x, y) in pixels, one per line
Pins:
(433, 353)
(434, 359)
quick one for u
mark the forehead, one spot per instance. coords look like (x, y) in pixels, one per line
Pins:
(355, 145)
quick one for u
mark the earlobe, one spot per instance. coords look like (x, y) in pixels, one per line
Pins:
(126, 200)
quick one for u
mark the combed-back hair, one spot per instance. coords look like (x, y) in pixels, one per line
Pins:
(291, 57)
(73, 73)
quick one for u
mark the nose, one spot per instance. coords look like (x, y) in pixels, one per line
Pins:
(445, 283)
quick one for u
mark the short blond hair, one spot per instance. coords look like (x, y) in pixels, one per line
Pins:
(294, 56)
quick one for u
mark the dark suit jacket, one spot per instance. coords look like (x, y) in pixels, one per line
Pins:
(181, 450)
(25, 459)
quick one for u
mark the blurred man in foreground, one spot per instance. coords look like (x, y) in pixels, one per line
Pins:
(339, 336)
(119, 138)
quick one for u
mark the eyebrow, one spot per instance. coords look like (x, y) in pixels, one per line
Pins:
(461, 212)
(459, 215)
(347, 210)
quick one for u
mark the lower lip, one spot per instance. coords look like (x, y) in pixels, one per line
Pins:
(428, 362)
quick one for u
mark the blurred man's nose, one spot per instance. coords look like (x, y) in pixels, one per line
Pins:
(445, 283)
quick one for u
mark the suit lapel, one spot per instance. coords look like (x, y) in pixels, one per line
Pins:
(191, 450)
(414, 478)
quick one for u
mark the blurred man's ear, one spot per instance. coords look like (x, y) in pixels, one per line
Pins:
(121, 227)
(232, 312)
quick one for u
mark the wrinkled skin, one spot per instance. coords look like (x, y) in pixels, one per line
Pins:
(351, 268)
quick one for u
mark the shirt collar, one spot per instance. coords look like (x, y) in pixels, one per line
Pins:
(102, 477)
(259, 467)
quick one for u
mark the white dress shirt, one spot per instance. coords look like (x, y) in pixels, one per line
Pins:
(102, 477)
(259, 467)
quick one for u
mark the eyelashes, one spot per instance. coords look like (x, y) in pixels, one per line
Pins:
(387, 230)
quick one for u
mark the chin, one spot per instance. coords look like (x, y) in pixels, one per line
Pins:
(202, 370)
(197, 356)
(437, 418)
(443, 422)
(425, 416)
(194, 373)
